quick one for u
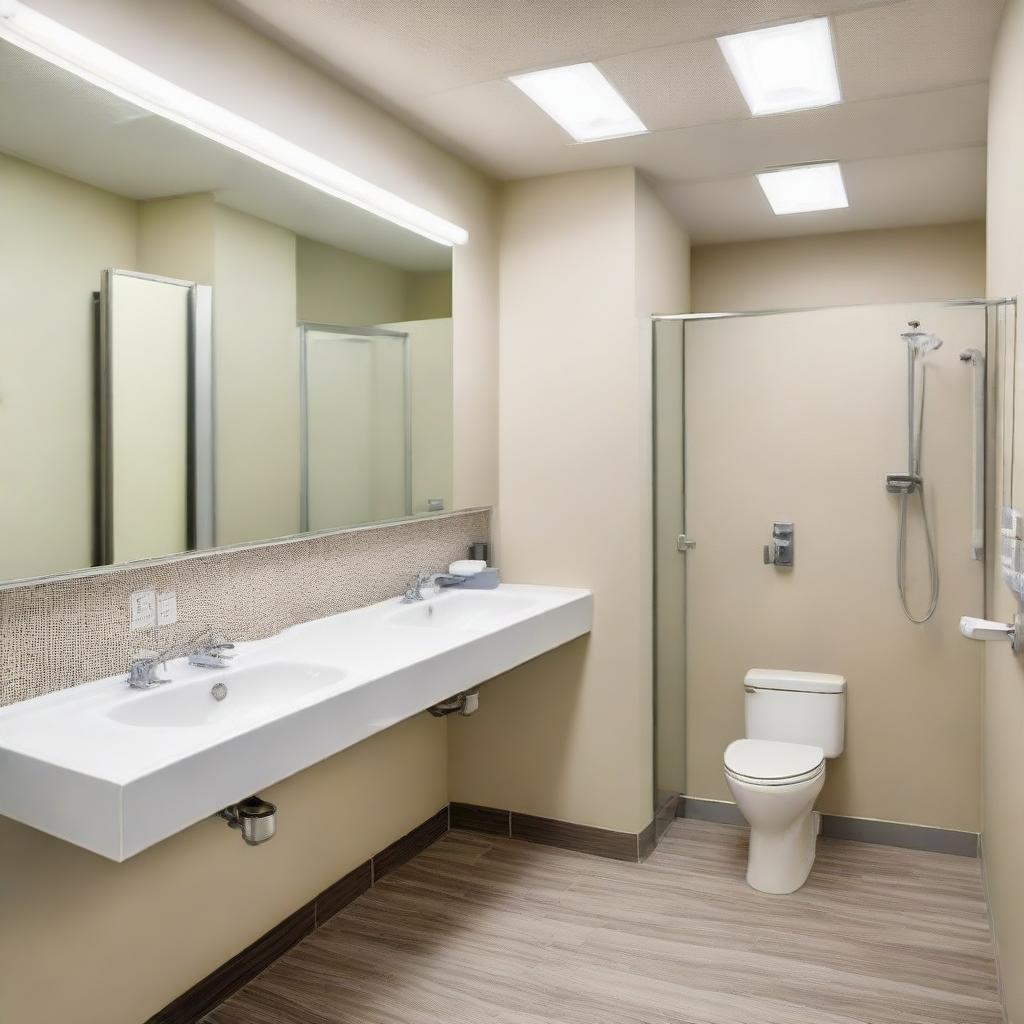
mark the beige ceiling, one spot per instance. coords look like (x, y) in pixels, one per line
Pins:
(910, 132)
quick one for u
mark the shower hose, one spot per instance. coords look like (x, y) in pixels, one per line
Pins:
(901, 530)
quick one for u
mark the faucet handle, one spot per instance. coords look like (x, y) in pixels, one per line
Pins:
(142, 670)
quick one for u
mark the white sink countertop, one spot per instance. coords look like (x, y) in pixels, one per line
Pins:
(115, 769)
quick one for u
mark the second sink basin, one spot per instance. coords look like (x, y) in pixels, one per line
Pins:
(258, 691)
(462, 609)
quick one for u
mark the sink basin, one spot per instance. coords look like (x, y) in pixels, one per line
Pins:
(466, 609)
(260, 691)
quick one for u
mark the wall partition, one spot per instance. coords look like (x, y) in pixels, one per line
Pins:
(803, 417)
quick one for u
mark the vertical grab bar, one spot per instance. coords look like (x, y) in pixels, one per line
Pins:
(977, 362)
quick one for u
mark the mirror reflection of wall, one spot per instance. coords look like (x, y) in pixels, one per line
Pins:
(102, 443)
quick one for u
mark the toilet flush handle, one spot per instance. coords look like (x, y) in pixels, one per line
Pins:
(985, 629)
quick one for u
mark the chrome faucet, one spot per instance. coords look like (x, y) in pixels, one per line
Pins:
(142, 670)
(209, 652)
(212, 653)
(414, 591)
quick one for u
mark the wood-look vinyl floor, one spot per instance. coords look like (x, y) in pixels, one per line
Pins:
(483, 929)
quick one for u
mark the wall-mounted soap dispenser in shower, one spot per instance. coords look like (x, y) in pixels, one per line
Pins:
(779, 550)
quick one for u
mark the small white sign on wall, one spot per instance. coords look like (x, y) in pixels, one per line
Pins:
(142, 610)
(166, 608)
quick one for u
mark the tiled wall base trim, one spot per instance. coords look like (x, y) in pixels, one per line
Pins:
(860, 830)
(602, 842)
(209, 993)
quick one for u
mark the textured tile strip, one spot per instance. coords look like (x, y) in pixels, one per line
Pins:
(56, 635)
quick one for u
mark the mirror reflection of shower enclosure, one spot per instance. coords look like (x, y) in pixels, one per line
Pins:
(356, 394)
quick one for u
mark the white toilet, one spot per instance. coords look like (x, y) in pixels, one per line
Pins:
(794, 721)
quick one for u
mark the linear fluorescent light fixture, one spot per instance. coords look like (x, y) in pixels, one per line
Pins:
(53, 42)
(804, 189)
(786, 67)
(582, 101)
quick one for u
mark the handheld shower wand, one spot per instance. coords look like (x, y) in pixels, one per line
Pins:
(919, 344)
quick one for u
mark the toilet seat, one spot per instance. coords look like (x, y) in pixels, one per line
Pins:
(773, 763)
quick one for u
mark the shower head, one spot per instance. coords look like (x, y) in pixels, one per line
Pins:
(920, 342)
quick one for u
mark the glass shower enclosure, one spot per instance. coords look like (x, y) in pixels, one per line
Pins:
(794, 419)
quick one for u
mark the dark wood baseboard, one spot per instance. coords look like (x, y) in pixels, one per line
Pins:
(206, 995)
(416, 841)
(473, 818)
(601, 842)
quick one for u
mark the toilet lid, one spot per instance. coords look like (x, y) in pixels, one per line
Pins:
(771, 762)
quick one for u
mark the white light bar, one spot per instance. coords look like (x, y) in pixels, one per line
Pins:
(53, 42)
(582, 101)
(804, 189)
(787, 67)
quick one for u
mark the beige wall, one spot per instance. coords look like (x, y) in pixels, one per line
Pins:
(1003, 802)
(771, 434)
(56, 236)
(179, 910)
(891, 265)
(569, 735)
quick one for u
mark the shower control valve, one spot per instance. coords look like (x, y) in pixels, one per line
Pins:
(779, 551)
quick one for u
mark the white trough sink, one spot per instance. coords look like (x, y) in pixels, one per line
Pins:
(116, 770)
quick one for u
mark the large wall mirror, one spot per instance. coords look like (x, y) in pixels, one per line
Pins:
(195, 349)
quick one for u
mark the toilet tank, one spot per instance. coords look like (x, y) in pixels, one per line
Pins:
(796, 707)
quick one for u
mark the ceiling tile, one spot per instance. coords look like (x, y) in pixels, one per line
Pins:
(915, 46)
(521, 142)
(677, 86)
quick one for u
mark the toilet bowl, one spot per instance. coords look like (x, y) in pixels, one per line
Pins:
(794, 722)
(775, 785)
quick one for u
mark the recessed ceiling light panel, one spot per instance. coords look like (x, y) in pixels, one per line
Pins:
(786, 67)
(582, 101)
(804, 189)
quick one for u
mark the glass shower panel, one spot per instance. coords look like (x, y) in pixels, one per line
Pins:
(356, 445)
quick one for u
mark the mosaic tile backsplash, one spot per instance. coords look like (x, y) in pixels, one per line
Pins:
(56, 635)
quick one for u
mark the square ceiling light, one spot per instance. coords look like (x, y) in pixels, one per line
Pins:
(582, 101)
(804, 189)
(786, 67)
